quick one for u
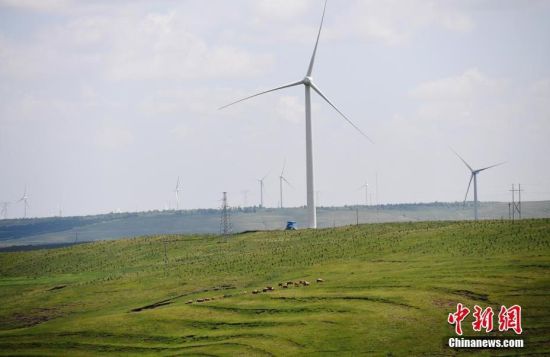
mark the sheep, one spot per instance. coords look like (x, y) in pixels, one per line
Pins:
(319, 280)
(255, 292)
(306, 283)
(189, 302)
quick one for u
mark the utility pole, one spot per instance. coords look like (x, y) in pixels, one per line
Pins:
(165, 258)
(225, 219)
(357, 215)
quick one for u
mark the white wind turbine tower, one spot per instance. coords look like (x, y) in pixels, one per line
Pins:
(25, 199)
(307, 81)
(261, 181)
(177, 191)
(366, 187)
(281, 179)
(4, 212)
(473, 176)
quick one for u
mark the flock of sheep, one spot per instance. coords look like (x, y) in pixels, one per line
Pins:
(268, 288)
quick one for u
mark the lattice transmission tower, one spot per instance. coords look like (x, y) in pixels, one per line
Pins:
(225, 219)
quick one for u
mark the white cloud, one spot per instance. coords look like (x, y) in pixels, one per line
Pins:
(37, 5)
(290, 108)
(281, 9)
(112, 137)
(467, 86)
(127, 46)
(396, 21)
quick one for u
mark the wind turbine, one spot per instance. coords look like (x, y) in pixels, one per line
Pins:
(281, 179)
(177, 192)
(473, 176)
(261, 181)
(4, 212)
(366, 187)
(24, 199)
(308, 83)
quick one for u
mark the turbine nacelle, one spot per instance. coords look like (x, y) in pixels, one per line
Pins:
(308, 81)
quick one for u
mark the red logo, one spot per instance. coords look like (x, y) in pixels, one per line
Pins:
(508, 318)
(483, 319)
(457, 317)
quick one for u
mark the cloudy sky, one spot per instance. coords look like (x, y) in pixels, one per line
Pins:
(104, 104)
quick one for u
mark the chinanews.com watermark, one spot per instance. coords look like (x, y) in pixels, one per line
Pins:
(509, 321)
(484, 342)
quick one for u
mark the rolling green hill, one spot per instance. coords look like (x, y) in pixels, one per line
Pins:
(387, 290)
(63, 230)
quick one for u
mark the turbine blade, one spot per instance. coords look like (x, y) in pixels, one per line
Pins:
(339, 112)
(468, 189)
(267, 91)
(312, 61)
(488, 167)
(284, 164)
(464, 161)
(288, 183)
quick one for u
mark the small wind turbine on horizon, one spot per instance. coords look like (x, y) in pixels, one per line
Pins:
(473, 176)
(366, 187)
(281, 179)
(308, 83)
(25, 199)
(261, 181)
(177, 191)
(4, 212)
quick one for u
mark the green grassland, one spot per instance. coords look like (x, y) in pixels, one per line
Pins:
(387, 290)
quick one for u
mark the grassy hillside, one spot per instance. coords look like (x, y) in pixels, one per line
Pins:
(387, 290)
(57, 230)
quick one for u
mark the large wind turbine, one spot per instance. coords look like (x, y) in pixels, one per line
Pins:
(308, 83)
(473, 176)
(177, 191)
(24, 199)
(281, 179)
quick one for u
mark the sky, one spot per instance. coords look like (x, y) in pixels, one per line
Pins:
(104, 104)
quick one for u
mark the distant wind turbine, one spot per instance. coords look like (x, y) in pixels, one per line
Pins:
(307, 81)
(473, 176)
(177, 192)
(261, 181)
(25, 200)
(281, 179)
(4, 212)
(366, 187)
